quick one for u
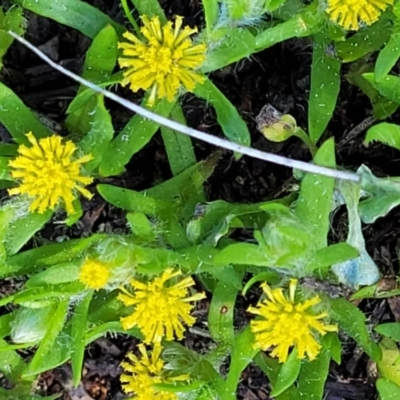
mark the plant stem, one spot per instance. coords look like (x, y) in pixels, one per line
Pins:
(306, 139)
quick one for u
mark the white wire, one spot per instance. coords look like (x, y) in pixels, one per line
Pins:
(287, 162)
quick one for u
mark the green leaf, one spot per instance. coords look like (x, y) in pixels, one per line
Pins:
(140, 226)
(56, 274)
(325, 86)
(78, 331)
(302, 24)
(334, 254)
(132, 201)
(47, 343)
(384, 195)
(12, 20)
(385, 133)
(179, 147)
(242, 355)
(388, 86)
(100, 61)
(388, 56)
(388, 365)
(232, 124)
(242, 254)
(271, 368)
(151, 8)
(30, 261)
(211, 11)
(19, 119)
(353, 321)
(387, 389)
(77, 14)
(99, 136)
(24, 228)
(390, 330)
(133, 137)
(316, 192)
(229, 45)
(365, 41)
(313, 375)
(382, 107)
(288, 374)
(220, 315)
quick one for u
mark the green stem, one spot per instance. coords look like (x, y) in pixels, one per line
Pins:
(128, 14)
(306, 139)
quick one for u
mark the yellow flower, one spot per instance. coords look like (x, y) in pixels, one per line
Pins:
(284, 324)
(94, 274)
(161, 309)
(349, 13)
(163, 61)
(143, 373)
(48, 173)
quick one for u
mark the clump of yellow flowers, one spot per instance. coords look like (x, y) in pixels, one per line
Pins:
(144, 372)
(163, 60)
(349, 13)
(285, 323)
(94, 273)
(161, 308)
(49, 174)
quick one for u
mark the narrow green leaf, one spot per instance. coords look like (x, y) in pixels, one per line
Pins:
(220, 315)
(135, 135)
(242, 355)
(78, 331)
(388, 56)
(313, 375)
(387, 389)
(179, 147)
(99, 136)
(353, 322)
(302, 24)
(19, 119)
(48, 341)
(325, 86)
(211, 11)
(385, 133)
(230, 45)
(232, 124)
(288, 374)
(367, 40)
(150, 8)
(131, 200)
(316, 193)
(100, 61)
(77, 14)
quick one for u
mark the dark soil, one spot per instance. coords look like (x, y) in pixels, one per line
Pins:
(280, 76)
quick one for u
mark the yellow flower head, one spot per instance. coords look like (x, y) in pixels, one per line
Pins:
(94, 274)
(49, 174)
(161, 308)
(284, 324)
(349, 13)
(163, 61)
(143, 373)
